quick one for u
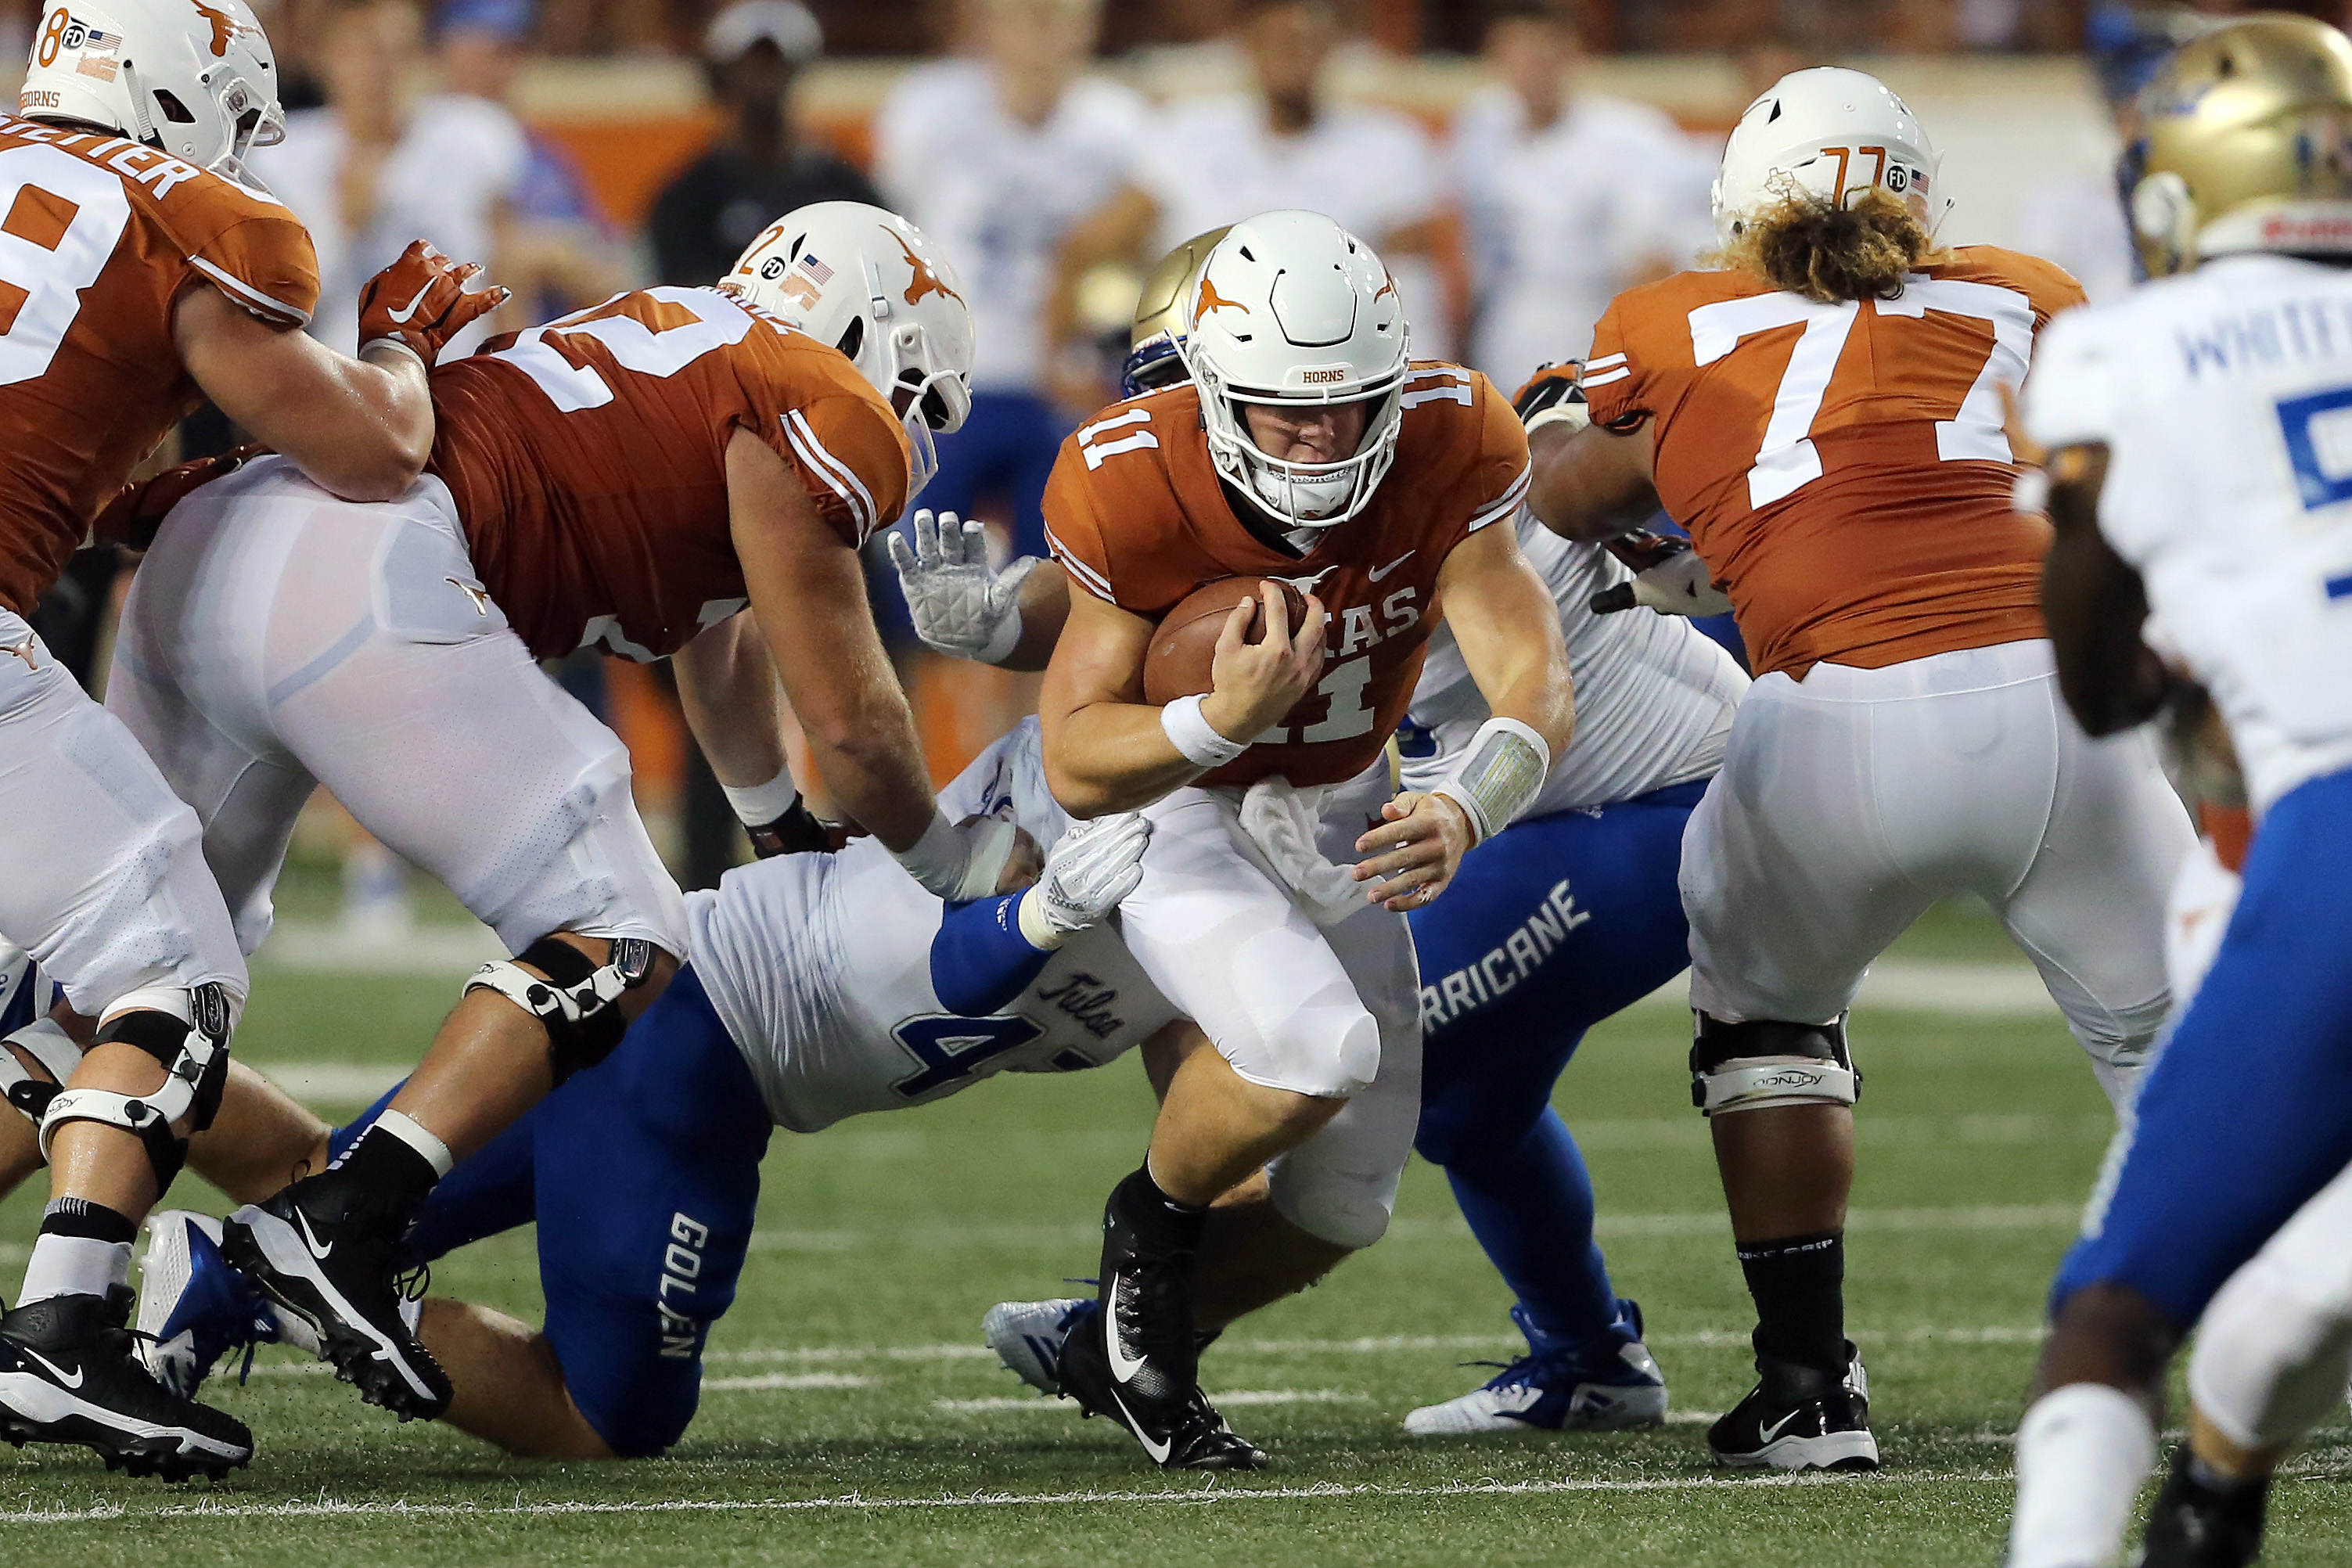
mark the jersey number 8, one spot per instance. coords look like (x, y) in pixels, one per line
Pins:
(60, 220)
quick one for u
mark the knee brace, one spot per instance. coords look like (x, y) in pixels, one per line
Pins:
(47, 1042)
(193, 1051)
(1748, 1065)
(579, 999)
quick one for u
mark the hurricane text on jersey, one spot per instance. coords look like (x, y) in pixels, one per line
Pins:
(99, 236)
(1139, 515)
(588, 459)
(1842, 467)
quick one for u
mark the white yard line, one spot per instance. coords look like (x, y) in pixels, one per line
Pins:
(1231, 1399)
(769, 1380)
(855, 1503)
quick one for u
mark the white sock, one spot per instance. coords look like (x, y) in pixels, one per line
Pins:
(2082, 1452)
(74, 1266)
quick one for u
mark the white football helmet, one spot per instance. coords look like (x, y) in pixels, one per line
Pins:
(195, 77)
(867, 282)
(1831, 133)
(1293, 309)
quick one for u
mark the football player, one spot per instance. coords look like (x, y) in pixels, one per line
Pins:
(141, 273)
(626, 477)
(1571, 914)
(2191, 480)
(1309, 446)
(820, 987)
(1821, 410)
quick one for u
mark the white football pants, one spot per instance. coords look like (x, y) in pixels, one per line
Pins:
(1332, 1011)
(1852, 801)
(105, 885)
(277, 638)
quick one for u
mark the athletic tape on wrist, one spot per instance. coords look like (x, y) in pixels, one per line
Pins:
(1003, 639)
(422, 363)
(1505, 766)
(1190, 732)
(1035, 928)
(958, 866)
(756, 805)
(1575, 416)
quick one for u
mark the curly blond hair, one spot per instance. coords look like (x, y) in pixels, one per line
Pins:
(1811, 246)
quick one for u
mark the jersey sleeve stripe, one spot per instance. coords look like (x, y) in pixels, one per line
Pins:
(1606, 361)
(1605, 377)
(247, 295)
(1511, 502)
(831, 469)
(1092, 580)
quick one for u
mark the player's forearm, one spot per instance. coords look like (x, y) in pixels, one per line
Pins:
(1104, 757)
(1583, 487)
(1044, 606)
(728, 686)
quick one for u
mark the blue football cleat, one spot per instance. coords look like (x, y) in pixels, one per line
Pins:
(1608, 1385)
(194, 1309)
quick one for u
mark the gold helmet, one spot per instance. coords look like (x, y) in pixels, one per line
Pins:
(2243, 141)
(1153, 359)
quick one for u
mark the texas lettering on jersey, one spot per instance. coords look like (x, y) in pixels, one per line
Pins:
(1841, 469)
(1138, 514)
(99, 235)
(588, 459)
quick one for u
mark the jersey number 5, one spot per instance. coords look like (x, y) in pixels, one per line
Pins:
(59, 221)
(1788, 460)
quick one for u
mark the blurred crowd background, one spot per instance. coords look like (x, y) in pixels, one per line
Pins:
(1517, 163)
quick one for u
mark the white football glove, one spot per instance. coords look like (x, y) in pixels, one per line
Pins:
(960, 606)
(1668, 577)
(1093, 866)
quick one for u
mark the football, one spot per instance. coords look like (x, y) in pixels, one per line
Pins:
(1185, 646)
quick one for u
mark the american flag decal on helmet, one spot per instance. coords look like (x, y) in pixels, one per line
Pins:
(816, 269)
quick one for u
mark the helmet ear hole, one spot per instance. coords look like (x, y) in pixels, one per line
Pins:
(853, 337)
(173, 110)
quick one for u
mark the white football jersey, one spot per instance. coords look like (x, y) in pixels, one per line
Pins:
(820, 966)
(998, 196)
(1654, 695)
(1564, 219)
(2224, 398)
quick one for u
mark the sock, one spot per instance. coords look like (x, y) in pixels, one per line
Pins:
(397, 1154)
(1799, 1285)
(83, 1249)
(1530, 1206)
(1156, 1225)
(2082, 1452)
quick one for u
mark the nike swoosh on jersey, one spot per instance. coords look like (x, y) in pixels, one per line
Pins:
(1122, 1366)
(400, 317)
(75, 1380)
(1392, 566)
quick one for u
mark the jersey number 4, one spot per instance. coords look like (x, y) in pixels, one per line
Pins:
(1788, 460)
(59, 222)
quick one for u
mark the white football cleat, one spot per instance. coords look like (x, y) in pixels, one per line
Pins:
(1027, 1336)
(1610, 1386)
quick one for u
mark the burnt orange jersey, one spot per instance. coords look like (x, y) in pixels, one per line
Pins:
(1137, 514)
(1841, 469)
(588, 458)
(98, 237)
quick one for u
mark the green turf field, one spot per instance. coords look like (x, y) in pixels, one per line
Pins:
(851, 1416)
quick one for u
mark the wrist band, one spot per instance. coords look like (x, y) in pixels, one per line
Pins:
(1500, 772)
(758, 804)
(1575, 416)
(1003, 639)
(2032, 493)
(1190, 732)
(954, 866)
(1035, 928)
(422, 363)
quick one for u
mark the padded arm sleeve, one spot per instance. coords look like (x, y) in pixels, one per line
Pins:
(979, 959)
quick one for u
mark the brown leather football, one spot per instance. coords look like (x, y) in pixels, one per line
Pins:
(1185, 646)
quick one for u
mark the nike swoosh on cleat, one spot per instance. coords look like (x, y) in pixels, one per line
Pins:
(400, 317)
(1771, 1434)
(55, 1370)
(1392, 566)
(1158, 1451)
(311, 1238)
(1123, 1367)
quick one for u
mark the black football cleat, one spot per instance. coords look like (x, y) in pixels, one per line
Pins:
(1799, 1418)
(326, 1250)
(2194, 1524)
(1179, 1431)
(70, 1373)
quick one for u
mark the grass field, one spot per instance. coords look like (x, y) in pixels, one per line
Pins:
(851, 1417)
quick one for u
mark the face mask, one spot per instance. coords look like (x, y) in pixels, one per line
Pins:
(922, 454)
